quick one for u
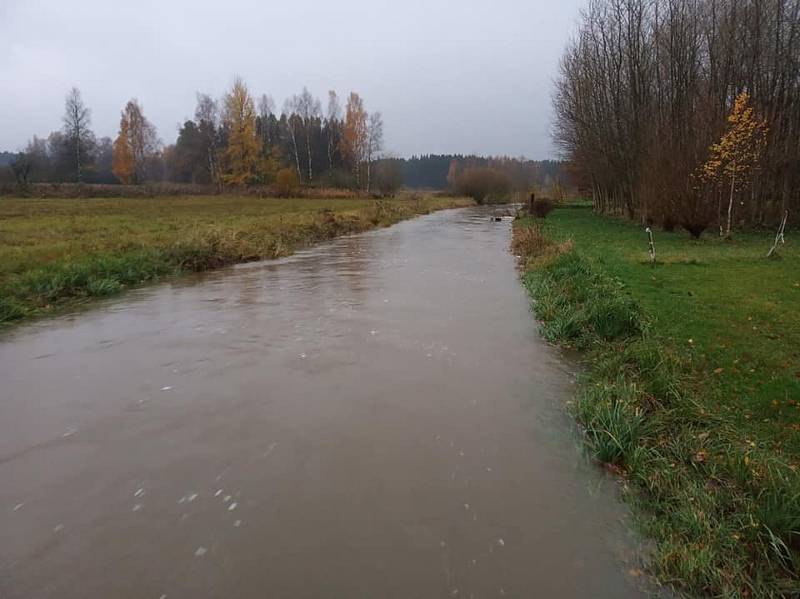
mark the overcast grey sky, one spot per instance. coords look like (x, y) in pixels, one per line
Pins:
(461, 77)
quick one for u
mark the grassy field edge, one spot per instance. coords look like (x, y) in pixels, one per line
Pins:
(721, 505)
(72, 280)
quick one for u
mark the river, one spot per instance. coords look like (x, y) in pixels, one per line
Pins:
(375, 417)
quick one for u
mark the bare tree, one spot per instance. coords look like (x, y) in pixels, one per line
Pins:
(374, 141)
(266, 105)
(308, 109)
(290, 109)
(207, 110)
(332, 125)
(206, 116)
(77, 134)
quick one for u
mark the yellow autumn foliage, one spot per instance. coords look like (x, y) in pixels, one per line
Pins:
(242, 154)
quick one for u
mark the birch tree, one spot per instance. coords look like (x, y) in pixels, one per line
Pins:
(136, 145)
(354, 134)
(290, 108)
(735, 157)
(374, 143)
(309, 111)
(332, 119)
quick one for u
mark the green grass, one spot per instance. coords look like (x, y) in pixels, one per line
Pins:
(56, 253)
(691, 391)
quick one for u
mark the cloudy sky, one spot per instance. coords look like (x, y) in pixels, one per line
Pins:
(468, 76)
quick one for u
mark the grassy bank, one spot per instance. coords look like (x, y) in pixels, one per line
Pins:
(55, 253)
(692, 388)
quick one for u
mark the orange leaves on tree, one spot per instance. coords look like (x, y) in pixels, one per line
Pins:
(136, 143)
(122, 158)
(354, 133)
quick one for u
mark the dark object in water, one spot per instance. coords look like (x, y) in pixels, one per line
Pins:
(497, 219)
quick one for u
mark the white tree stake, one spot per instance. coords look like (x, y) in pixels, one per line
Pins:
(649, 232)
(779, 238)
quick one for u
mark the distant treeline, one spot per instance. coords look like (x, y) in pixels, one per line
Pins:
(7, 158)
(431, 171)
(238, 140)
(684, 112)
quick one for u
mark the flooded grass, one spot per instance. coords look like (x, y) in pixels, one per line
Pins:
(691, 392)
(54, 253)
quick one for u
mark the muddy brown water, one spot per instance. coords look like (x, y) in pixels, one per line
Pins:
(374, 417)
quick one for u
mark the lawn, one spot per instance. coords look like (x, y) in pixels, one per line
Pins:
(56, 252)
(692, 389)
(736, 312)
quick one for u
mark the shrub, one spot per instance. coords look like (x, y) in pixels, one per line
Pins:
(287, 181)
(389, 176)
(533, 247)
(695, 212)
(695, 227)
(542, 207)
(484, 185)
(529, 241)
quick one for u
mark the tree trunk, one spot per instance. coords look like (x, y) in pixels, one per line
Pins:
(296, 153)
(78, 157)
(308, 147)
(730, 207)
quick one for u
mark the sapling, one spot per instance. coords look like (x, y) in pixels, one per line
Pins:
(735, 157)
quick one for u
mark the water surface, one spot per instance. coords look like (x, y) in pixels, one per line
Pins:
(374, 417)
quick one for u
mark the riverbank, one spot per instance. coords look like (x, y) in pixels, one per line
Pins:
(57, 253)
(692, 388)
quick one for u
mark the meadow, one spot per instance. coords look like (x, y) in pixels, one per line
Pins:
(55, 253)
(691, 392)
